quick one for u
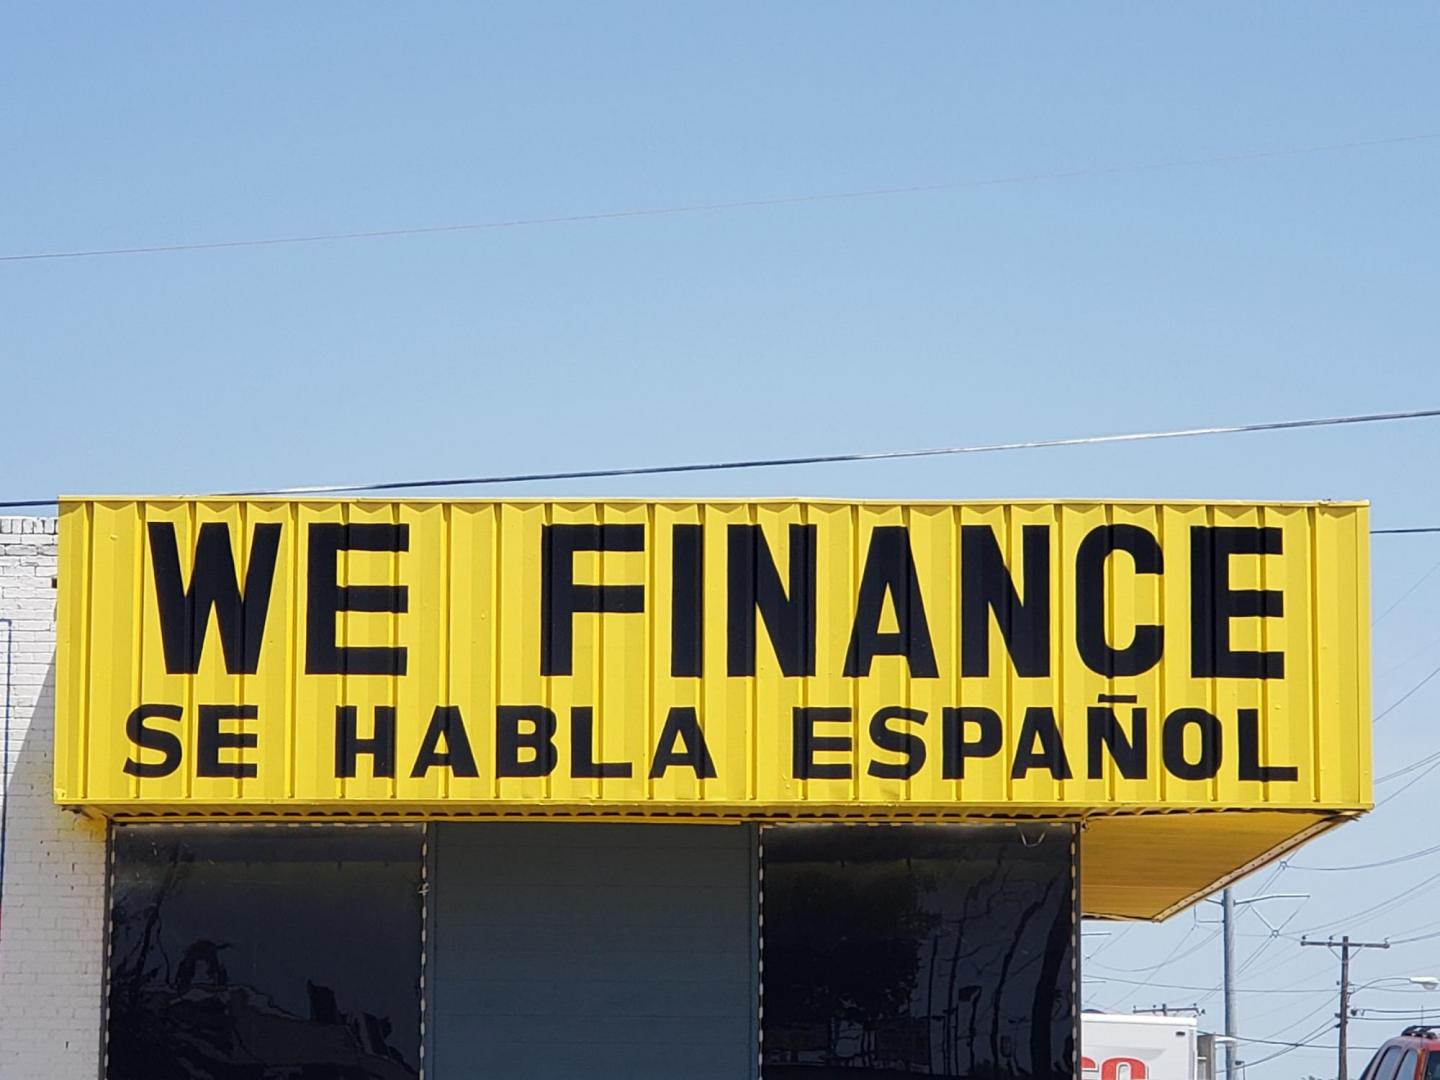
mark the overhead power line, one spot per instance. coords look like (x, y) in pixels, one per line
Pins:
(1296, 1046)
(1421, 775)
(1406, 594)
(813, 459)
(1406, 696)
(1370, 865)
(1417, 764)
(1408, 658)
(1425, 765)
(1308, 1041)
(1175, 954)
(1384, 907)
(1090, 977)
(713, 207)
(1414, 938)
(1313, 1044)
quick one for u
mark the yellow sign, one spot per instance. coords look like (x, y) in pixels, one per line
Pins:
(724, 659)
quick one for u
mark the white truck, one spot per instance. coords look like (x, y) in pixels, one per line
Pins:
(1116, 1046)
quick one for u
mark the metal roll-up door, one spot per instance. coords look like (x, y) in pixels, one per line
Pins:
(587, 951)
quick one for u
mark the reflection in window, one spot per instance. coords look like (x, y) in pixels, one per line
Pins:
(930, 950)
(265, 953)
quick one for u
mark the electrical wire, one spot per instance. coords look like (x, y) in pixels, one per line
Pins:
(1249, 961)
(1366, 914)
(1427, 764)
(1419, 763)
(1269, 939)
(1414, 938)
(1211, 989)
(713, 207)
(1297, 1046)
(812, 459)
(1370, 865)
(1409, 783)
(1274, 876)
(1406, 696)
(1412, 934)
(1422, 650)
(1312, 1045)
(1175, 955)
(1275, 932)
(1252, 1018)
(1406, 594)
(1304, 1019)
(1110, 941)
(1276, 966)
(1308, 1040)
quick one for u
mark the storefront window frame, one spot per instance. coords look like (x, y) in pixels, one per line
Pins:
(1026, 830)
(115, 825)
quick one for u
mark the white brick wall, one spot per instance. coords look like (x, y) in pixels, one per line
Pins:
(52, 904)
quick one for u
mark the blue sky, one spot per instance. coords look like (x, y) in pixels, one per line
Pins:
(1270, 288)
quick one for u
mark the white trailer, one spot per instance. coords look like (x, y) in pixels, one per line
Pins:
(1115, 1046)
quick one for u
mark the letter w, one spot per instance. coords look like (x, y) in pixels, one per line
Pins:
(214, 583)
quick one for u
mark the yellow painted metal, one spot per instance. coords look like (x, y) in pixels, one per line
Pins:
(1149, 866)
(471, 630)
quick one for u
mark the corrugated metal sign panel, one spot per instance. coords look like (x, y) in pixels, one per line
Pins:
(729, 659)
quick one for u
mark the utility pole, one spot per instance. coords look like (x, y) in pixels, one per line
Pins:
(1228, 905)
(1345, 945)
(1227, 909)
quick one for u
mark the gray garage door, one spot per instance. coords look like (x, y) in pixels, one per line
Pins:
(584, 951)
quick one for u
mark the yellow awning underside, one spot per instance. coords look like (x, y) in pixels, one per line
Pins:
(1149, 866)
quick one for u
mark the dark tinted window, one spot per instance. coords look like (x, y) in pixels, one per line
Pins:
(1432, 1065)
(265, 953)
(930, 949)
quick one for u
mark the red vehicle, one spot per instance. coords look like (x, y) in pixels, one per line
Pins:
(1413, 1055)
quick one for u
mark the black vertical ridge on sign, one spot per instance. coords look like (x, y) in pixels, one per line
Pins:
(339, 629)
(392, 628)
(447, 630)
(294, 662)
(547, 588)
(687, 638)
(248, 624)
(1312, 525)
(497, 519)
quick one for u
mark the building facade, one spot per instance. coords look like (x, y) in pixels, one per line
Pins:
(354, 790)
(52, 861)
